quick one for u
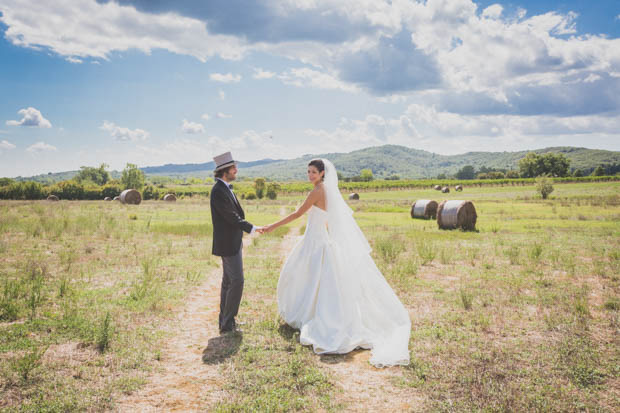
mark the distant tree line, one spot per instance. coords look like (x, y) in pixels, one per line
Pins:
(534, 165)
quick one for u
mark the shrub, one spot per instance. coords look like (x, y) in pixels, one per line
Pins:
(272, 190)
(259, 186)
(544, 186)
(150, 192)
(250, 195)
(68, 190)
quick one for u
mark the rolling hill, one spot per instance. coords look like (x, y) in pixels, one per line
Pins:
(382, 160)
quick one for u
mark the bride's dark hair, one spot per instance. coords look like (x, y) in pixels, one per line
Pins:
(319, 165)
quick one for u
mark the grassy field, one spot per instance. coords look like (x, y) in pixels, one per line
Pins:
(521, 315)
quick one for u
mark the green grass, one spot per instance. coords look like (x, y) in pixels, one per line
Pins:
(522, 315)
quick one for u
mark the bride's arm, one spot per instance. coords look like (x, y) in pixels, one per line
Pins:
(310, 200)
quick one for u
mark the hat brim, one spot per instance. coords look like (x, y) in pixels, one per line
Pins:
(225, 165)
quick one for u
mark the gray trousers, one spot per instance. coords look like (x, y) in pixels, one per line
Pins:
(232, 288)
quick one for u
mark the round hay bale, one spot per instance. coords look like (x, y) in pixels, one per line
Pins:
(107, 198)
(458, 188)
(424, 209)
(131, 196)
(53, 198)
(354, 196)
(437, 188)
(445, 190)
(117, 198)
(455, 214)
(170, 198)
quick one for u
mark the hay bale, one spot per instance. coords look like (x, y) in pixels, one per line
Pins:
(170, 198)
(117, 198)
(455, 214)
(131, 196)
(458, 188)
(107, 198)
(445, 190)
(424, 209)
(437, 188)
(53, 198)
(354, 196)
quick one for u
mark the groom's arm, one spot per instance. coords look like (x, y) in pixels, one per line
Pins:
(225, 207)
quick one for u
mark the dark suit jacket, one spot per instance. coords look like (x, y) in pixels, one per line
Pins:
(228, 221)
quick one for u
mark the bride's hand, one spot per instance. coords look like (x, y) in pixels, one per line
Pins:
(269, 228)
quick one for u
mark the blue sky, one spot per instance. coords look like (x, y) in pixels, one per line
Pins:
(153, 82)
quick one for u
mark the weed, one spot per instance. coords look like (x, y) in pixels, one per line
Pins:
(103, 334)
(389, 248)
(467, 298)
(426, 251)
(35, 296)
(535, 252)
(612, 303)
(26, 364)
(513, 253)
(63, 287)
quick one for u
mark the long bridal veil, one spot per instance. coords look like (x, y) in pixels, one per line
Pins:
(383, 320)
(342, 226)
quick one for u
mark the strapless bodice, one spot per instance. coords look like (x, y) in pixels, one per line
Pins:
(317, 223)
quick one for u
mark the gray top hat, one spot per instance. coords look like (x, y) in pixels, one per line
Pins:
(223, 161)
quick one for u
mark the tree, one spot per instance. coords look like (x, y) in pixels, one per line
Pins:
(512, 174)
(98, 176)
(529, 166)
(578, 173)
(259, 186)
(555, 164)
(366, 175)
(552, 164)
(6, 181)
(132, 178)
(466, 172)
(544, 186)
(598, 171)
(272, 190)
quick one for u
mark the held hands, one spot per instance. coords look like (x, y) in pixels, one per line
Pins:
(265, 229)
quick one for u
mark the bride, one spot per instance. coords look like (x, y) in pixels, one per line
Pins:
(331, 289)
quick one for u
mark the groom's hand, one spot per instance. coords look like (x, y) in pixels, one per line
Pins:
(260, 230)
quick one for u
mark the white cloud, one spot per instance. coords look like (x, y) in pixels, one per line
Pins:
(222, 94)
(249, 145)
(221, 115)
(205, 116)
(225, 78)
(494, 11)
(262, 74)
(4, 144)
(86, 28)
(40, 147)
(306, 77)
(425, 127)
(72, 59)
(124, 134)
(399, 47)
(192, 127)
(30, 117)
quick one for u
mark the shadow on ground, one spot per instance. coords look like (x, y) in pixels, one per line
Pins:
(221, 348)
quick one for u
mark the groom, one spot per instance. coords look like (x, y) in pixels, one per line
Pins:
(228, 223)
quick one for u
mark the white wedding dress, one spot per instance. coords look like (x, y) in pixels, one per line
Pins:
(339, 299)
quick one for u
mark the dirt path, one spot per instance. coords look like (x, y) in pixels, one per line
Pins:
(187, 377)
